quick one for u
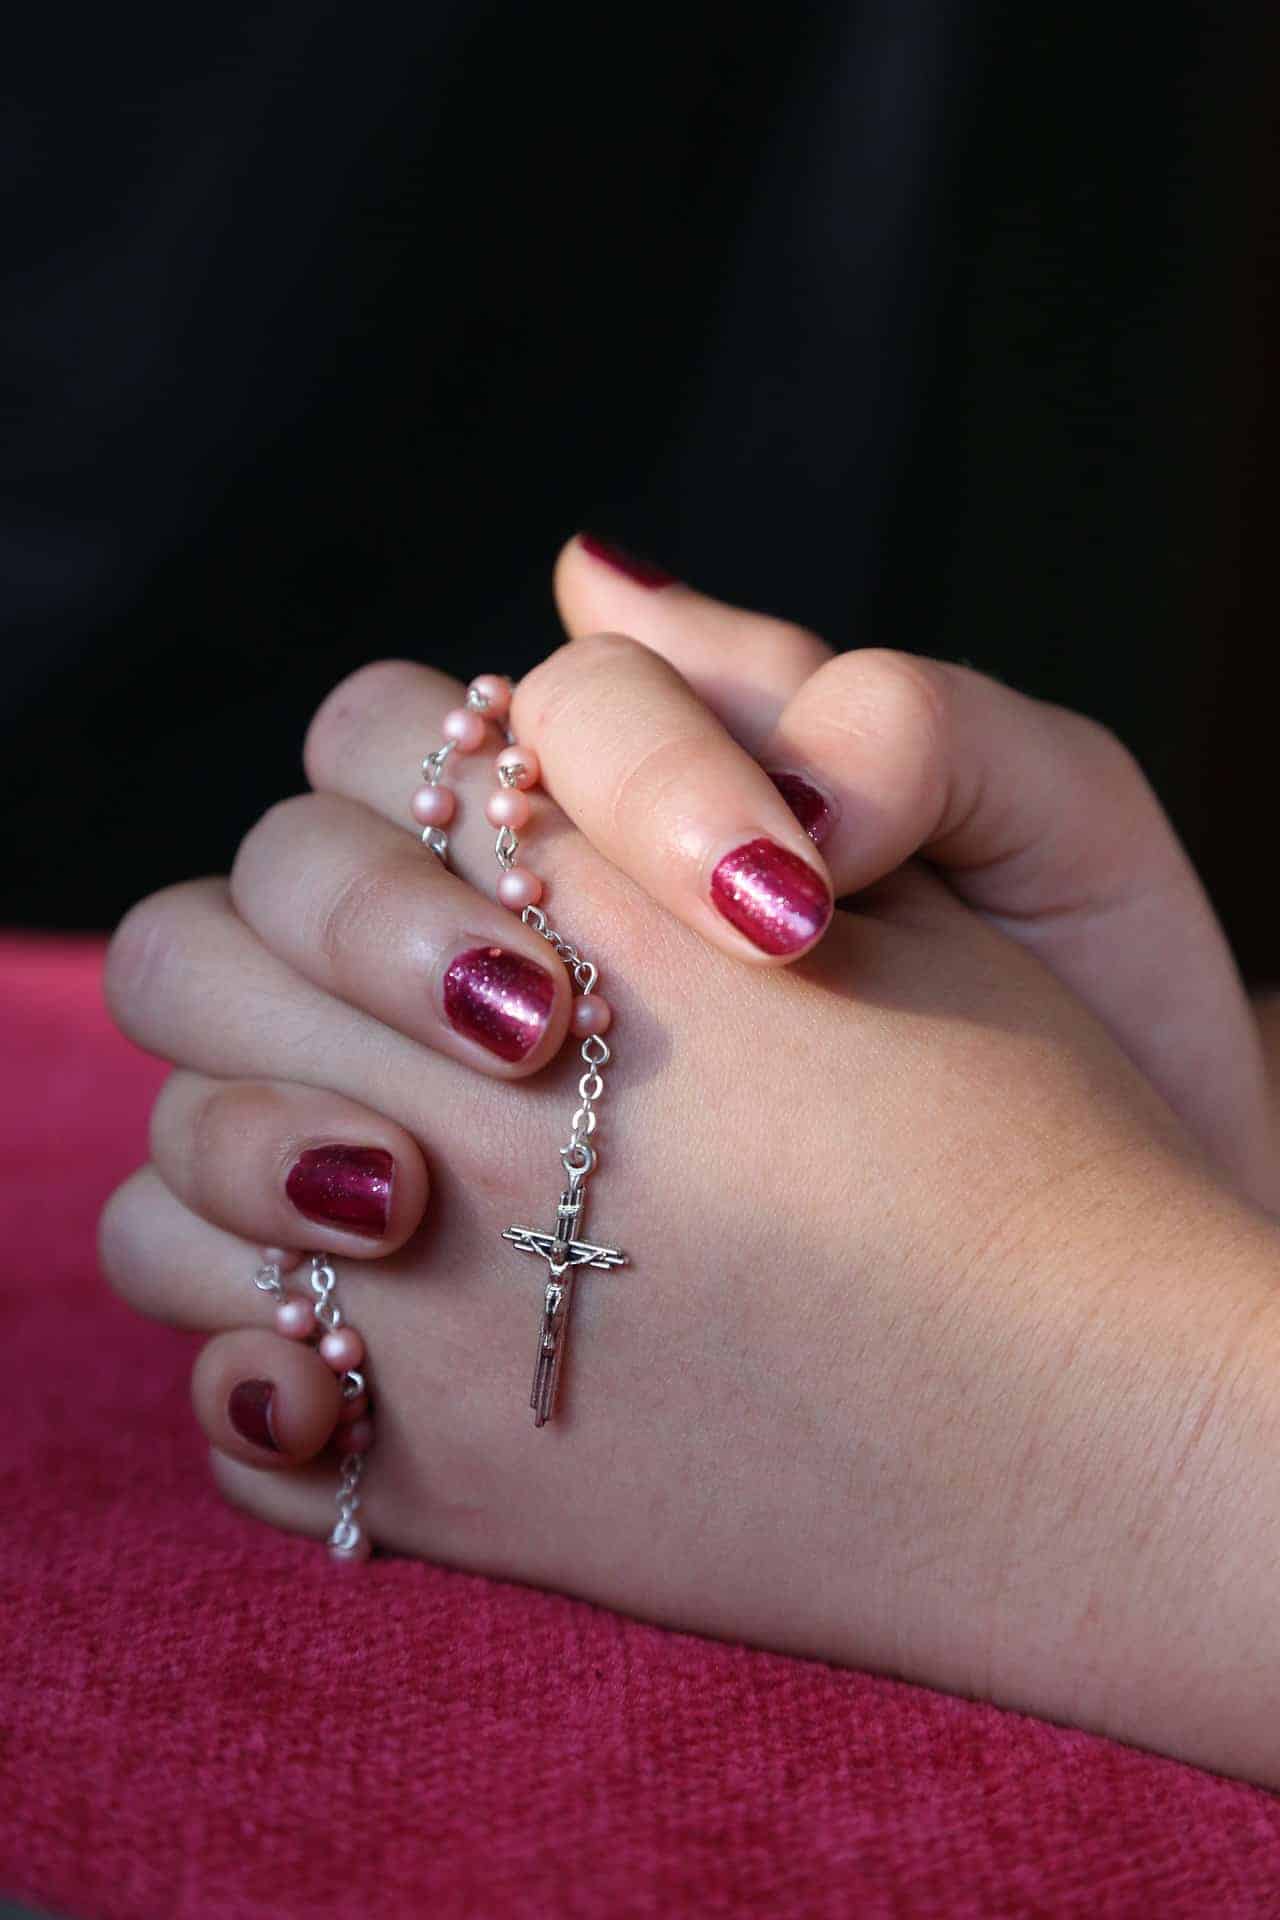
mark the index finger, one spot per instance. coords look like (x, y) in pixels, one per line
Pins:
(659, 787)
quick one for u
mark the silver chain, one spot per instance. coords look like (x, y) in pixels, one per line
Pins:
(432, 768)
(268, 1279)
(579, 1158)
(564, 1250)
(345, 1537)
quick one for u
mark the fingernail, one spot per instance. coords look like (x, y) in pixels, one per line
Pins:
(500, 999)
(771, 895)
(642, 571)
(808, 805)
(344, 1186)
(249, 1411)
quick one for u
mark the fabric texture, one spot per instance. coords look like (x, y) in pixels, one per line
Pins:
(200, 1718)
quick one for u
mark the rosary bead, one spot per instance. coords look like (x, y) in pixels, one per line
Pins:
(519, 888)
(352, 1409)
(353, 1546)
(591, 1014)
(464, 728)
(495, 692)
(342, 1349)
(433, 806)
(523, 763)
(282, 1257)
(357, 1438)
(296, 1318)
(507, 808)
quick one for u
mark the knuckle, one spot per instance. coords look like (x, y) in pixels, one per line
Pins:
(899, 703)
(121, 1235)
(342, 721)
(280, 815)
(644, 787)
(144, 953)
(910, 698)
(205, 1136)
(782, 643)
(283, 826)
(221, 1128)
(564, 679)
(1104, 752)
(363, 915)
(263, 836)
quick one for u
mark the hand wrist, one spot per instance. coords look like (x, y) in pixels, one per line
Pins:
(1153, 1498)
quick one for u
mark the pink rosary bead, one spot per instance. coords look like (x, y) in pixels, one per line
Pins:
(519, 888)
(591, 1014)
(507, 808)
(342, 1349)
(465, 728)
(353, 1408)
(433, 806)
(296, 1318)
(494, 692)
(519, 767)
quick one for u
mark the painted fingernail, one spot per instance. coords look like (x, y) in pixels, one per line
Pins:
(808, 805)
(642, 571)
(499, 999)
(344, 1186)
(249, 1411)
(771, 895)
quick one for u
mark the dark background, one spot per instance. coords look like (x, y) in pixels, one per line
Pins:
(944, 326)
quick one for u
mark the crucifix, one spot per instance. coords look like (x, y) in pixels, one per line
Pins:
(562, 1254)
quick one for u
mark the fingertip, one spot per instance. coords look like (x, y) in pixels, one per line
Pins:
(511, 1011)
(264, 1400)
(777, 899)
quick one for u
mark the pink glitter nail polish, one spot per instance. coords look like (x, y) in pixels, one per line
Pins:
(772, 896)
(344, 1186)
(808, 805)
(499, 999)
(632, 565)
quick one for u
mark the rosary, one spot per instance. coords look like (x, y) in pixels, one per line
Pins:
(488, 698)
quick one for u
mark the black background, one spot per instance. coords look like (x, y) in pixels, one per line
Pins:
(944, 326)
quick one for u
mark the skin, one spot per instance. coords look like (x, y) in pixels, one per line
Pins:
(980, 1386)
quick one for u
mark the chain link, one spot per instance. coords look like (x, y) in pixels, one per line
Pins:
(432, 768)
(324, 1283)
(578, 1157)
(585, 973)
(268, 1280)
(594, 1052)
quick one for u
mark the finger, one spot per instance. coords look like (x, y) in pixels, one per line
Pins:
(743, 666)
(265, 1400)
(369, 737)
(1042, 821)
(658, 786)
(270, 1161)
(188, 980)
(357, 908)
(298, 1502)
(167, 1263)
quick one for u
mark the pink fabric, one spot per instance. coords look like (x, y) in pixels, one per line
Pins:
(200, 1720)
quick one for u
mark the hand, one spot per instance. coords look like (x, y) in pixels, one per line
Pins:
(941, 1351)
(1036, 817)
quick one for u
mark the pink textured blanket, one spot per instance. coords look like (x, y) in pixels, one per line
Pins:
(197, 1719)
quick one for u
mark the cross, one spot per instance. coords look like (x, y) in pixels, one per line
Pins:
(562, 1254)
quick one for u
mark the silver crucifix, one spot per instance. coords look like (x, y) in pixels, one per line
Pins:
(562, 1254)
